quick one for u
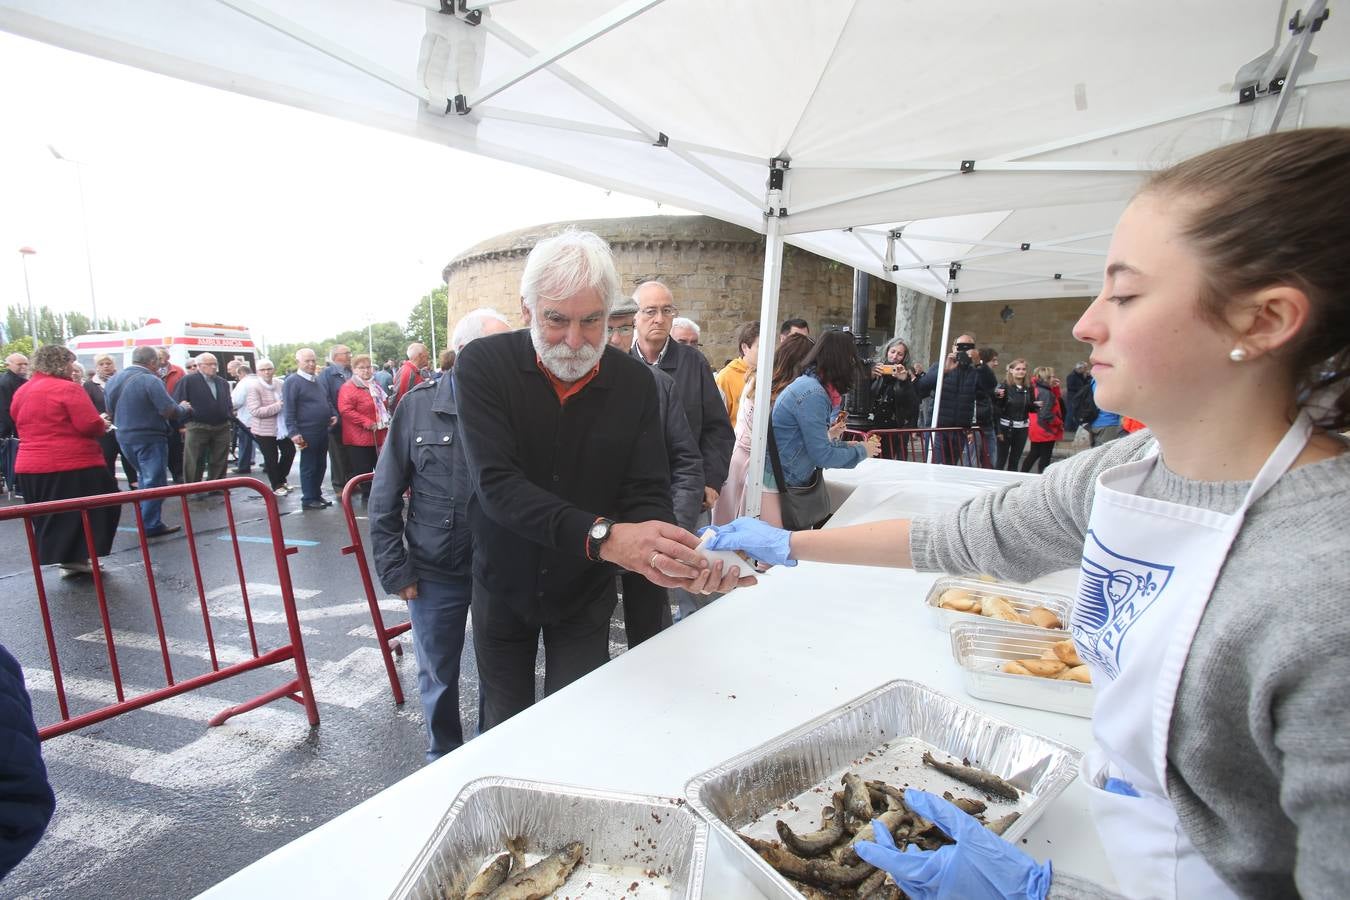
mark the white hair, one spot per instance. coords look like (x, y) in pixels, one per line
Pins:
(470, 328)
(266, 363)
(566, 265)
(682, 322)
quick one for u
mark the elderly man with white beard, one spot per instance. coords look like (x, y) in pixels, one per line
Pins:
(563, 437)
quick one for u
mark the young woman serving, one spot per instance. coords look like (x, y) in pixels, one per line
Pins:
(1211, 605)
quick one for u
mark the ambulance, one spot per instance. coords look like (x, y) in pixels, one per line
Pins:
(183, 340)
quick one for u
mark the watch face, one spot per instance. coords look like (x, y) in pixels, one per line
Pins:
(599, 530)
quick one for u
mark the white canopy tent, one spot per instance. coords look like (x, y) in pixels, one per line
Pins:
(980, 151)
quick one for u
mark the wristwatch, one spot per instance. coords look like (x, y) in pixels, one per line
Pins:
(598, 534)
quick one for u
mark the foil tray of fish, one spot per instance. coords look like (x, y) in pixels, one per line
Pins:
(880, 738)
(952, 599)
(984, 650)
(509, 839)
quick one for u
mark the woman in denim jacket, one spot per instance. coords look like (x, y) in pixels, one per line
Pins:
(808, 419)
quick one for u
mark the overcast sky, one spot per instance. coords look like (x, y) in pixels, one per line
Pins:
(206, 205)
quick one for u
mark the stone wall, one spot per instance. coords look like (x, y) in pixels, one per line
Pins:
(716, 270)
(1041, 331)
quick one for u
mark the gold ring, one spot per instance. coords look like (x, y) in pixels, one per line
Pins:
(652, 561)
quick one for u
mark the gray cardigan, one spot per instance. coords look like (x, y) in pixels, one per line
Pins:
(1259, 749)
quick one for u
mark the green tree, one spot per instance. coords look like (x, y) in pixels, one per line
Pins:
(389, 340)
(16, 322)
(49, 327)
(419, 325)
(77, 324)
(22, 345)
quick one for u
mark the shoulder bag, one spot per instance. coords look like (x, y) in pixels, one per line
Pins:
(803, 507)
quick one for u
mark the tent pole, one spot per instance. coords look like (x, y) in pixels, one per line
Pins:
(941, 365)
(768, 338)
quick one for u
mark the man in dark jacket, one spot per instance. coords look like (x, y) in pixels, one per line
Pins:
(16, 373)
(964, 383)
(144, 414)
(334, 375)
(308, 416)
(563, 437)
(427, 560)
(207, 442)
(646, 606)
(1077, 380)
(26, 798)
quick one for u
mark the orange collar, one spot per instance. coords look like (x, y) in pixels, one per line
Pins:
(565, 389)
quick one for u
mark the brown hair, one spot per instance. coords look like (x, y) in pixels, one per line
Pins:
(53, 359)
(789, 358)
(360, 358)
(746, 334)
(1271, 211)
(835, 359)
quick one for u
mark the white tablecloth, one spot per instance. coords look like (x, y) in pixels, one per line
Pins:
(752, 665)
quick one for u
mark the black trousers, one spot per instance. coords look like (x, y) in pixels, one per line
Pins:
(110, 452)
(506, 646)
(646, 608)
(339, 467)
(1039, 457)
(60, 538)
(360, 460)
(175, 455)
(277, 458)
(1012, 441)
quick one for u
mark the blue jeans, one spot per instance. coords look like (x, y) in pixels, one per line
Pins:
(151, 459)
(313, 463)
(243, 453)
(438, 618)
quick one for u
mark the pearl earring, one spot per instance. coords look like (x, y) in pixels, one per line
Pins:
(1237, 354)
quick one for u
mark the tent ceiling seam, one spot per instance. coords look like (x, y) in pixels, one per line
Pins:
(785, 151)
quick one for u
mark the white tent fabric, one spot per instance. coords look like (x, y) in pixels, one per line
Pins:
(909, 136)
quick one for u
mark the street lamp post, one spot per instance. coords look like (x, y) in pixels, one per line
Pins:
(84, 223)
(24, 253)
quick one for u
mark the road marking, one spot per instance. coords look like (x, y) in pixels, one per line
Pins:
(85, 836)
(97, 754)
(289, 542)
(226, 654)
(352, 682)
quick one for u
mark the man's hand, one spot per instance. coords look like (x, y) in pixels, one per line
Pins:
(710, 496)
(950, 363)
(332, 420)
(664, 554)
(409, 592)
(300, 442)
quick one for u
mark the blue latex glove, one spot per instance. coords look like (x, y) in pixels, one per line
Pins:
(980, 864)
(764, 542)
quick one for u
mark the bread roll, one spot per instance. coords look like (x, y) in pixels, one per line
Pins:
(959, 600)
(1067, 653)
(1015, 667)
(1044, 618)
(1076, 673)
(999, 608)
(1046, 668)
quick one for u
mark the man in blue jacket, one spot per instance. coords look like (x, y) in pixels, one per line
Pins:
(26, 799)
(308, 415)
(141, 410)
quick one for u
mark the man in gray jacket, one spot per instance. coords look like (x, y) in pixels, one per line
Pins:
(646, 606)
(428, 559)
(697, 392)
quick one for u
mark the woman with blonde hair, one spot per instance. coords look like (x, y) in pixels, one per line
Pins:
(1013, 404)
(365, 420)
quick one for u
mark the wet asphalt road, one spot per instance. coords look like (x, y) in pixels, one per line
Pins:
(154, 803)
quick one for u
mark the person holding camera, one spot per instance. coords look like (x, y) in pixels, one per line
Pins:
(964, 383)
(895, 404)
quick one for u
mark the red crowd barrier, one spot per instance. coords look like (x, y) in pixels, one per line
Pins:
(951, 446)
(387, 636)
(297, 689)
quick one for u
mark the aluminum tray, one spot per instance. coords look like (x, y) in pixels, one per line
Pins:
(881, 734)
(981, 648)
(1022, 599)
(627, 836)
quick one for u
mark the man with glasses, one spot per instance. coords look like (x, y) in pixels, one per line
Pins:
(562, 435)
(702, 402)
(646, 606)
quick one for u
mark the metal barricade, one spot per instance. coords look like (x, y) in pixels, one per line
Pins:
(386, 636)
(297, 689)
(951, 446)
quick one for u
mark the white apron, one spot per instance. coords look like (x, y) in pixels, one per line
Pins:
(1149, 567)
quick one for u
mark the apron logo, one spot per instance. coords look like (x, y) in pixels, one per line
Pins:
(1114, 592)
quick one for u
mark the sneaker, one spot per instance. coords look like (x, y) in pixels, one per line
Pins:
(162, 530)
(281, 491)
(314, 504)
(77, 568)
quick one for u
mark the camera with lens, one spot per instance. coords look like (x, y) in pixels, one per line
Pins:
(963, 354)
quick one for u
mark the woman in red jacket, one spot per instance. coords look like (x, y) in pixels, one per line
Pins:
(365, 420)
(1047, 422)
(60, 458)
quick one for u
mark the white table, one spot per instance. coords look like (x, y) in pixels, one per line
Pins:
(754, 664)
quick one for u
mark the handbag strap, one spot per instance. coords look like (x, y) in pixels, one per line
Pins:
(774, 460)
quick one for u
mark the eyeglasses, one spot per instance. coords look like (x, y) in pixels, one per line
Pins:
(649, 312)
(625, 330)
